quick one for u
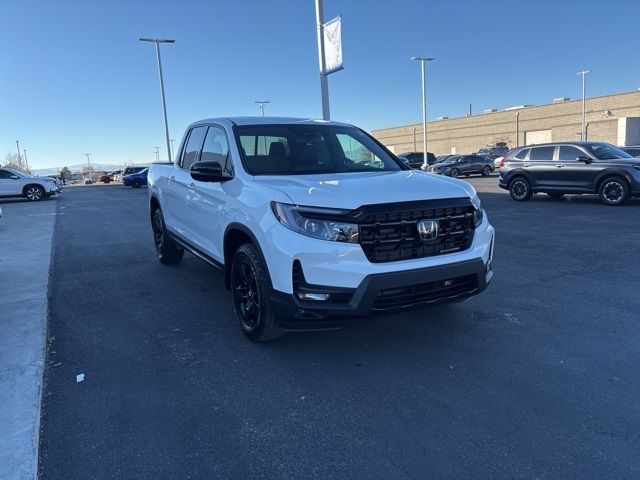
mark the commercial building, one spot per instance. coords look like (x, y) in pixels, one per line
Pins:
(610, 118)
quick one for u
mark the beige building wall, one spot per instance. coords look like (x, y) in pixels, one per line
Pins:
(468, 134)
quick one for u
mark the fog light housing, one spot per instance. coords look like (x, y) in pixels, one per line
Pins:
(318, 297)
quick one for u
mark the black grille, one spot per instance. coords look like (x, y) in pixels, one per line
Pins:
(392, 298)
(387, 236)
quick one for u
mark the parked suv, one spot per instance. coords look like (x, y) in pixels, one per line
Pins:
(463, 165)
(314, 223)
(19, 184)
(416, 159)
(493, 152)
(571, 167)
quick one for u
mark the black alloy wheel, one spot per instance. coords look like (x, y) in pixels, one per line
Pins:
(614, 191)
(520, 189)
(486, 171)
(169, 253)
(454, 173)
(251, 289)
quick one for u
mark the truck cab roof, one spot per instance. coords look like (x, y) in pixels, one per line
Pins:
(266, 121)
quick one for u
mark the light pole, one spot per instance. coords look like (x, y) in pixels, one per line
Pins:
(172, 140)
(262, 104)
(19, 157)
(158, 41)
(89, 163)
(582, 130)
(324, 81)
(517, 129)
(423, 63)
(157, 150)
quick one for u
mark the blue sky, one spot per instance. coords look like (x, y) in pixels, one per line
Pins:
(76, 80)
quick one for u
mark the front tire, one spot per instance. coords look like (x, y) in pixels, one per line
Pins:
(454, 173)
(520, 189)
(614, 191)
(251, 289)
(168, 251)
(34, 193)
(136, 184)
(486, 171)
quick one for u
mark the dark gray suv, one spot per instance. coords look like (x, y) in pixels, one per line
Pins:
(571, 167)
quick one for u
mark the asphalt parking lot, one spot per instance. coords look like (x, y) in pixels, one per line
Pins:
(535, 378)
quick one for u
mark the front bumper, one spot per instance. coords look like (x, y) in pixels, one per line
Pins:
(384, 293)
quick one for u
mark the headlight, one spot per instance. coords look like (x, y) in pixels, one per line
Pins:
(478, 214)
(302, 220)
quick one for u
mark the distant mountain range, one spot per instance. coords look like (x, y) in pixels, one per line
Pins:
(107, 167)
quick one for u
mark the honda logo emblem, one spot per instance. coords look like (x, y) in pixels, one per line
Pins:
(428, 230)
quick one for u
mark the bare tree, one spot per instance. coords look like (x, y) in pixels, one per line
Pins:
(502, 139)
(16, 162)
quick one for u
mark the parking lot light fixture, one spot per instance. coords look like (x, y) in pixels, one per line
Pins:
(583, 133)
(157, 42)
(423, 64)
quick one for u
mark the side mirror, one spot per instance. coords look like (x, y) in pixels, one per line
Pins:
(208, 172)
(15, 177)
(584, 158)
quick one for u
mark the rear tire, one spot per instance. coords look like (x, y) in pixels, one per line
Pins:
(520, 189)
(454, 173)
(136, 184)
(251, 290)
(486, 171)
(168, 251)
(614, 191)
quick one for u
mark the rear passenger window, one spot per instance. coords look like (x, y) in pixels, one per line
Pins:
(192, 149)
(216, 147)
(568, 153)
(522, 154)
(542, 154)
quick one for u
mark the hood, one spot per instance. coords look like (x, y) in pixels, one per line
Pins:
(352, 190)
(634, 161)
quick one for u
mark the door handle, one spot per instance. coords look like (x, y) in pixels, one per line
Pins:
(559, 165)
(527, 164)
(191, 186)
(172, 178)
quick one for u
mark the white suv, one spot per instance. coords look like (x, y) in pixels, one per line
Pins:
(315, 223)
(19, 184)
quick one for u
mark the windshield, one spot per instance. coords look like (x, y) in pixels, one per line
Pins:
(310, 149)
(606, 151)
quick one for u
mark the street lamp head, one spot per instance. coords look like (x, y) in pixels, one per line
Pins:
(584, 72)
(423, 59)
(156, 40)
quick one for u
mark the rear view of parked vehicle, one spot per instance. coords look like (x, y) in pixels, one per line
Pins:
(571, 168)
(463, 165)
(19, 184)
(136, 180)
(416, 159)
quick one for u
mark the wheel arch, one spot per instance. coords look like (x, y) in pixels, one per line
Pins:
(602, 176)
(235, 235)
(519, 173)
(33, 184)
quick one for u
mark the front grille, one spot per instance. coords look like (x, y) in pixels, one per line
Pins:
(392, 298)
(391, 235)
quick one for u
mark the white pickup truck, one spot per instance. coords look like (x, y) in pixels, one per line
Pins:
(315, 223)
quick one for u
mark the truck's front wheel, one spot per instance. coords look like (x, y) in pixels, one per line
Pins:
(251, 289)
(167, 250)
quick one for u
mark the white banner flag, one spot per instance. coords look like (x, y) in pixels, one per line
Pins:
(332, 32)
